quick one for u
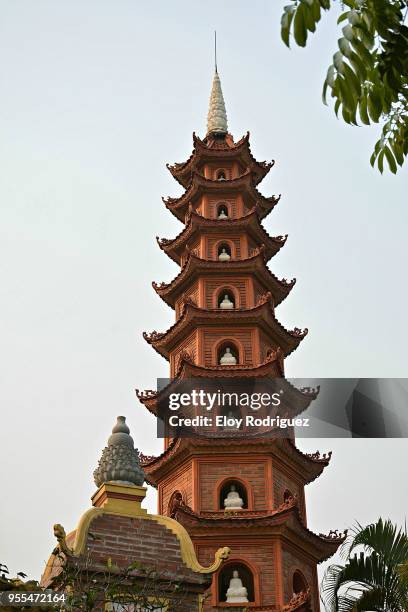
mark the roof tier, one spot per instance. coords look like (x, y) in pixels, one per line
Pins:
(199, 225)
(195, 267)
(193, 317)
(272, 367)
(199, 185)
(214, 148)
(285, 522)
(307, 467)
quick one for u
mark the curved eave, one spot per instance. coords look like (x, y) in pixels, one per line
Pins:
(280, 288)
(282, 449)
(272, 367)
(203, 153)
(194, 317)
(197, 223)
(200, 185)
(285, 521)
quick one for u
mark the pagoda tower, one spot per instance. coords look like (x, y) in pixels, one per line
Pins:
(240, 492)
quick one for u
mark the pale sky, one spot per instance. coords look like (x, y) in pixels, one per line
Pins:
(95, 97)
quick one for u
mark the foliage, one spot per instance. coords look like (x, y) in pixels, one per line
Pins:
(17, 584)
(373, 576)
(368, 78)
(91, 585)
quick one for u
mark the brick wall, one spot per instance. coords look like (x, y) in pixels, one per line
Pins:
(211, 472)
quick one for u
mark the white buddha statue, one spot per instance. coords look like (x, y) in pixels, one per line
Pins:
(228, 358)
(222, 214)
(233, 501)
(226, 303)
(224, 256)
(236, 593)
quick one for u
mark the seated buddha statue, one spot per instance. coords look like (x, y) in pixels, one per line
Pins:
(226, 303)
(236, 593)
(224, 256)
(228, 358)
(233, 501)
(223, 214)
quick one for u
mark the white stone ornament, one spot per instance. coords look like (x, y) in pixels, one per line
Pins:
(224, 256)
(228, 358)
(233, 501)
(217, 115)
(226, 303)
(236, 593)
(222, 214)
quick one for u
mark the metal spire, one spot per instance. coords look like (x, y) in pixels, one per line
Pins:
(217, 115)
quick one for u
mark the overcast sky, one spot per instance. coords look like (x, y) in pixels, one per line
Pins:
(95, 97)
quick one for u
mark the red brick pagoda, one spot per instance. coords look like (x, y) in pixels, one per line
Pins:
(247, 494)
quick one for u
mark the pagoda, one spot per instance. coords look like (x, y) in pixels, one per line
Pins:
(243, 492)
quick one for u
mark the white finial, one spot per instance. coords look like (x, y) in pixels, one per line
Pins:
(217, 115)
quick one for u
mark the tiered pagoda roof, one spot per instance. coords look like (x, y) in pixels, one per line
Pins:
(308, 466)
(211, 149)
(196, 266)
(286, 520)
(250, 223)
(200, 185)
(193, 316)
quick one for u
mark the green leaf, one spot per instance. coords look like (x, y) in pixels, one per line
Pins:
(286, 22)
(362, 52)
(398, 152)
(308, 15)
(331, 74)
(363, 111)
(337, 106)
(338, 62)
(347, 96)
(352, 81)
(343, 17)
(390, 159)
(380, 161)
(299, 27)
(374, 106)
(348, 32)
(358, 66)
(344, 47)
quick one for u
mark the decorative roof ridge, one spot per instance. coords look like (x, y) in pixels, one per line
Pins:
(256, 253)
(205, 180)
(230, 221)
(267, 209)
(317, 457)
(197, 180)
(273, 355)
(298, 599)
(238, 514)
(202, 141)
(334, 537)
(147, 460)
(154, 337)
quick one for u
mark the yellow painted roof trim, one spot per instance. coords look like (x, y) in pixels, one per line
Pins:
(122, 507)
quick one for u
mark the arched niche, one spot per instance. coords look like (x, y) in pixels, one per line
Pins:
(226, 300)
(241, 487)
(246, 574)
(221, 174)
(299, 583)
(230, 348)
(224, 251)
(223, 210)
(220, 293)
